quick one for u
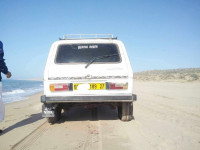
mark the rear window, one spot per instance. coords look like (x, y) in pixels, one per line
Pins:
(84, 53)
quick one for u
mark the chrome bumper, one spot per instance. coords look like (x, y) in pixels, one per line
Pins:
(78, 99)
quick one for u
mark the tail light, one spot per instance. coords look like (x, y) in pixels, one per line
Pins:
(117, 86)
(58, 87)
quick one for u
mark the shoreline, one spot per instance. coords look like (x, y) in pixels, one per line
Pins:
(24, 98)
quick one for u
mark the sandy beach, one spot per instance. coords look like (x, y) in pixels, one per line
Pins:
(166, 116)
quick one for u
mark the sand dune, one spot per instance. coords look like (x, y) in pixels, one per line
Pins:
(184, 75)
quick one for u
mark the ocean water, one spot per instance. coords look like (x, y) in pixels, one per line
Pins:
(15, 90)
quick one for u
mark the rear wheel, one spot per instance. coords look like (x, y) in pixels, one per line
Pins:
(57, 116)
(125, 111)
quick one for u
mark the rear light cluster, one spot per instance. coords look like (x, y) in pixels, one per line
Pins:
(117, 86)
(59, 87)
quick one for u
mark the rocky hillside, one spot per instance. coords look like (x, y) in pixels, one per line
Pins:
(189, 74)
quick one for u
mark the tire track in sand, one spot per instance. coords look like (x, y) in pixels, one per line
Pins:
(94, 137)
(31, 138)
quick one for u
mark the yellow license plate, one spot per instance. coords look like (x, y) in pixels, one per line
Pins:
(91, 86)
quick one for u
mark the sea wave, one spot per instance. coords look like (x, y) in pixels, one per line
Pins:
(19, 94)
(15, 90)
(18, 91)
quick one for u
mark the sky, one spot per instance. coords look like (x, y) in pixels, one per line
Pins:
(157, 34)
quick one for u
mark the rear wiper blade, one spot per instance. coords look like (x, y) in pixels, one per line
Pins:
(99, 57)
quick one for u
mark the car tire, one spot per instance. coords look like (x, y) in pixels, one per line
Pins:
(57, 116)
(125, 111)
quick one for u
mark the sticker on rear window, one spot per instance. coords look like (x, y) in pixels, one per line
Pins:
(93, 46)
(82, 46)
(87, 46)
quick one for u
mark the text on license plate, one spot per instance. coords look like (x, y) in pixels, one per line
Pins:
(91, 86)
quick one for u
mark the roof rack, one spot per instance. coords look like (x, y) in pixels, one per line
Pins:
(87, 36)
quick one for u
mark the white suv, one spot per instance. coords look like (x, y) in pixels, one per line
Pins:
(88, 71)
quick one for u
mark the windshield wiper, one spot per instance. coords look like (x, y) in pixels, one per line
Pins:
(99, 57)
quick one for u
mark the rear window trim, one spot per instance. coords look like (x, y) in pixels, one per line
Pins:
(82, 63)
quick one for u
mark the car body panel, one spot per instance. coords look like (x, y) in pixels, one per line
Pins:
(76, 73)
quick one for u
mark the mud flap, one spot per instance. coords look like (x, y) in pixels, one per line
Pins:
(47, 111)
(127, 111)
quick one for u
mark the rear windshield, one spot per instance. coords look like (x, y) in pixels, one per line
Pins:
(84, 53)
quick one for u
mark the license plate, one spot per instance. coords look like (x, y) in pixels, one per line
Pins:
(92, 86)
(47, 113)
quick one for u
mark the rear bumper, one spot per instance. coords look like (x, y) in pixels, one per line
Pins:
(78, 99)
